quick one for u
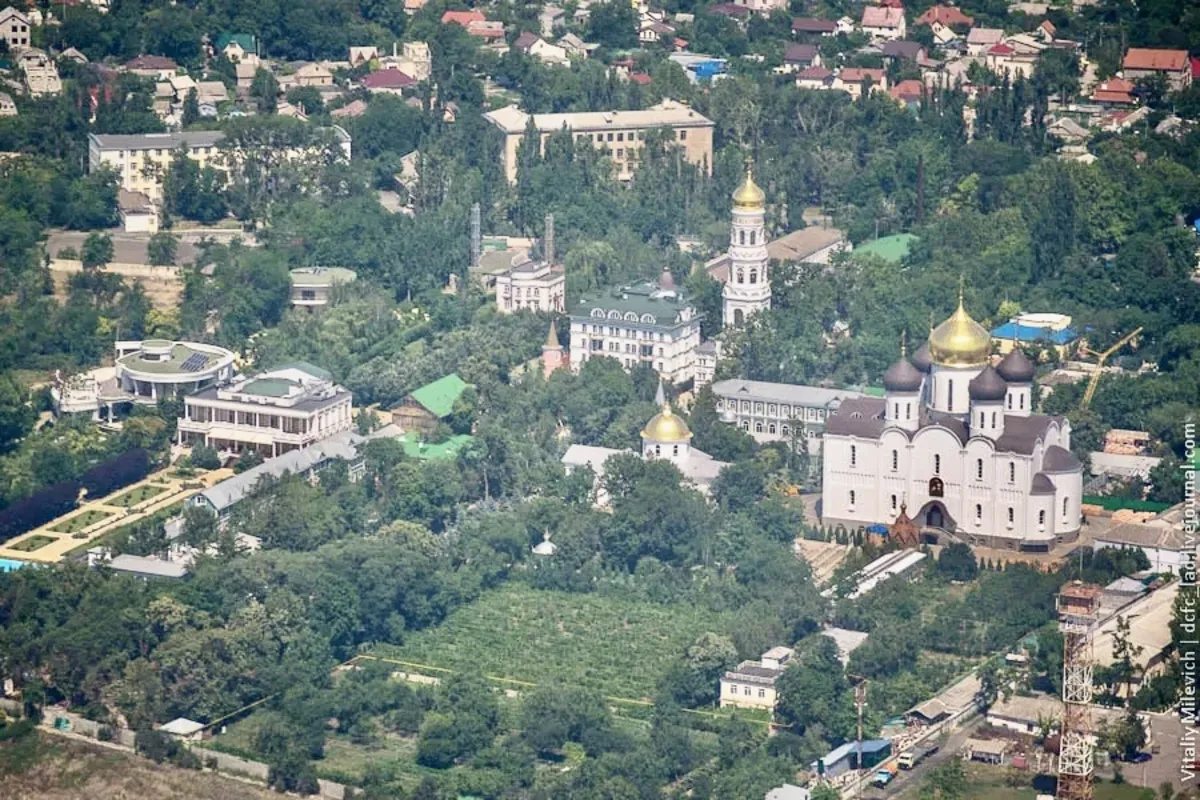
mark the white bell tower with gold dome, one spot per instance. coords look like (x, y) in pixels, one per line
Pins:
(748, 289)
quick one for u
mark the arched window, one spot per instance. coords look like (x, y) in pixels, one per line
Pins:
(937, 464)
(786, 430)
(751, 237)
(1042, 518)
(1064, 506)
(1022, 398)
(981, 419)
(895, 460)
(978, 513)
(1012, 472)
(893, 502)
(908, 410)
(738, 316)
(896, 410)
(753, 275)
(658, 450)
(1011, 516)
(741, 276)
(758, 427)
(950, 399)
(1009, 399)
(993, 419)
(853, 455)
(771, 429)
(741, 237)
(851, 498)
(675, 450)
(979, 469)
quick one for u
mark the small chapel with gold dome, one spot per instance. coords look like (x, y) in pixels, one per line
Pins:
(955, 443)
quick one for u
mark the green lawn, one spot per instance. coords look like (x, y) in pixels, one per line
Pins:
(137, 496)
(80, 521)
(32, 543)
(615, 645)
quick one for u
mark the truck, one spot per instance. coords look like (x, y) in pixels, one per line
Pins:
(883, 776)
(915, 755)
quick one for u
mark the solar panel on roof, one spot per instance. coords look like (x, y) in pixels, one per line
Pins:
(194, 362)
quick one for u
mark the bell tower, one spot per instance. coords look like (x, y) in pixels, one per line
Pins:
(748, 289)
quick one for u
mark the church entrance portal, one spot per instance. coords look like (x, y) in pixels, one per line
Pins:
(934, 515)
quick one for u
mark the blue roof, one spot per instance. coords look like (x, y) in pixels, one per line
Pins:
(1028, 333)
(877, 528)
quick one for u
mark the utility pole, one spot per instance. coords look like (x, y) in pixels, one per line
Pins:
(860, 702)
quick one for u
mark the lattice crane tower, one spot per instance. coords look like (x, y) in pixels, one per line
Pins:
(1078, 606)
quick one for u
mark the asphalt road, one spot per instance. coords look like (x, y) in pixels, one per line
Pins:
(908, 781)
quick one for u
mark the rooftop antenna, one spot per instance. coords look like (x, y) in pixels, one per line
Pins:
(476, 237)
(548, 239)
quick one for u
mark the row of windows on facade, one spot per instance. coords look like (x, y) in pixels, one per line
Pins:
(741, 277)
(773, 409)
(254, 420)
(160, 152)
(950, 401)
(937, 464)
(747, 690)
(772, 428)
(628, 316)
(616, 136)
(979, 510)
(742, 237)
(628, 333)
(645, 350)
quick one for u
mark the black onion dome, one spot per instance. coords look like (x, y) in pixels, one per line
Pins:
(1016, 367)
(902, 377)
(987, 385)
(921, 359)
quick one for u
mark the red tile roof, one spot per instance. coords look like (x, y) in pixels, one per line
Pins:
(388, 79)
(860, 74)
(463, 18)
(812, 25)
(813, 74)
(907, 90)
(1196, 67)
(1114, 90)
(947, 15)
(640, 78)
(1000, 49)
(1149, 58)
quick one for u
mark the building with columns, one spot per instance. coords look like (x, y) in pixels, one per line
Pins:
(748, 289)
(285, 409)
(955, 440)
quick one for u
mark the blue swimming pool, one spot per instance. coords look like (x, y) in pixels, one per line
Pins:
(8, 565)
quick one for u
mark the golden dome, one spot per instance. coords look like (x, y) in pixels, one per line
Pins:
(960, 341)
(666, 427)
(749, 197)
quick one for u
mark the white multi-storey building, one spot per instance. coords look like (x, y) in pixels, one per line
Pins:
(778, 412)
(285, 409)
(748, 290)
(651, 323)
(955, 440)
(141, 160)
(531, 286)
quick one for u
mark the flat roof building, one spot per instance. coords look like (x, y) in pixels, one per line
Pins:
(777, 412)
(140, 160)
(752, 683)
(313, 287)
(287, 408)
(620, 134)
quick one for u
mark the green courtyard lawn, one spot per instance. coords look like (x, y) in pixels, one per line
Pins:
(80, 522)
(988, 782)
(32, 543)
(618, 646)
(137, 496)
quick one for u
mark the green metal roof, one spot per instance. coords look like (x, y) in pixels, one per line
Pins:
(269, 387)
(639, 299)
(304, 366)
(244, 40)
(438, 398)
(415, 448)
(889, 248)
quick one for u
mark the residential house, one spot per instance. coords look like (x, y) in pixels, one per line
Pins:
(653, 31)
(798, 56)
(41, 74)
(387, 81)
(1146, 62)
(944, 35)
(211, 92)
(950, 16)
(620, 134)
(535, 46)
(413, 6)
(157, 67)
(752, 683)
(816, 78)
(1068, 131)
(475, 23)
(552, 20)
(71, 54)
(532, 286)
(1114, 92)
(245, 73)
(980, 40)
(463, 18)
(413, 59)
(238, 47)
(732, 10)
(15, 28)
(7, 107)
(312, 75)
(884, 22)
(908, 92)
(424, 408)
(1161, 539)
(355, 108)
(576, 47)
(272, 413)
(903, 50)
(813, 26)
(362, 55)
(1004, 59)
(180, 86)
(764, 7)
(853, 80)
(314, 287)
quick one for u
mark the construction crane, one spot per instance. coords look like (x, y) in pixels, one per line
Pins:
(1078, 609)
(1094, 381)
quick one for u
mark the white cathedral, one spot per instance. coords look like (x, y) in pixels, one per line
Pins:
(954, 442)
